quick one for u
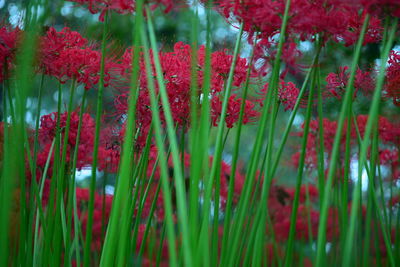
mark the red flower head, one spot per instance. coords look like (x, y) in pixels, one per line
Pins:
(101, 215)
(176, 67)
(8, 44)
(382, 7)
(66, 56)
(337, 82)
(392, 89)
(47, 132)
(233, 111)
(287, 94)
(307, 18)
(120, 6)
(53, 43)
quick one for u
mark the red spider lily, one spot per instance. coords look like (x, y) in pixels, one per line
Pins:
(66, 55)
(176, 66)
(122, 6)
(388, 133)
(287, 94)
(47, 133)
(9, 39)
(330, 18)
(392, 89)
(382, 7)
(337, 82)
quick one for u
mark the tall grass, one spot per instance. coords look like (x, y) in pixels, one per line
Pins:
(198, 225)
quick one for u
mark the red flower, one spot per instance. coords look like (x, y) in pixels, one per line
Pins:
(176, 67)
(54, 42)
(120, 6)
(392, 89)
(382, 7)
(287, 94)
(9, 39)
(83, 65)
(233, 111)
(307, 18)
(66, 56)
(47, 134)
(101, 214)
(337, 82)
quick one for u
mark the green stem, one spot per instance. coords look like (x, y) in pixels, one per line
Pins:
(116, 217)
(300, 170)
(321, 242)
(88, 241)
(372, 119)
(161, 152)
(72, 185)
(59, 218)
(178, 178)
(228, 209)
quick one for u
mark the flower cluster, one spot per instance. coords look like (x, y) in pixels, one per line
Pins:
(66, 55)
(337, 82)
(280, 207)
(8, 45)
(63, 54)
(288, 94)
(388, 134)
(233, 111)
(119, 6)
(48, 132)
(339, 20)
(393, 78)
(382, 7)
(176, 66)
(101, 215)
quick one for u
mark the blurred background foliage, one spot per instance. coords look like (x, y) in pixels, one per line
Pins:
(176, 26)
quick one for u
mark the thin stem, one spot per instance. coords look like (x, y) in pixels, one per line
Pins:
(300, 170)
(321, 242)
(88, 241)
(161, 152)
(178, 178)
(372, 119)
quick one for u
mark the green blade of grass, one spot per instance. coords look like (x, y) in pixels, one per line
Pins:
(216, 163)
(72, 185)
(372, 119)
(178, 177)
(293, 218)
(321, 241)
(14, 147)
(121, 194)
(228, 209)
(254, 160)
(161, 152)
(88, 241)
